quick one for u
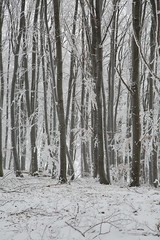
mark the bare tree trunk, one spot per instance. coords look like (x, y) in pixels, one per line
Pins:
(25, 103)
(84, 162)
(94, 117)
(111, 82)
(154, 33)
(102, 176)
(105, 134)
(62, 126)
(72, 134)
(136, 126)
(22, 125)
(51, 67)
(82, 102)
(72, 63)
(25, 66)
(7, 103)
(45, 78)
(71, 92)
(14, 79)
(128, 158)
(1, 88)
(34, 163)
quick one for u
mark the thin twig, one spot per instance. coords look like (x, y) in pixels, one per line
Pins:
(76, 229)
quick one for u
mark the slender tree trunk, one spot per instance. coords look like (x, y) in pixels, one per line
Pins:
(84, 163)
(111, 82)
(105, 134)
(1, 88)
(72, 134)
(71, 92)
(25, 103)
(102, 176)
(136, 126)
(45, 78)
(82, 101)
(13, 84)
(22, 126)
(94, 114)
(51, 70)
(154, 33)
(72, 63)
(7, 104)
(34, 161)
(62, 126)
(128, 159)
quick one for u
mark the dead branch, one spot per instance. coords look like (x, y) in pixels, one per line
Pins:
(76, 229)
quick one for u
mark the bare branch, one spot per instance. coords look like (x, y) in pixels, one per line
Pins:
(128, 88)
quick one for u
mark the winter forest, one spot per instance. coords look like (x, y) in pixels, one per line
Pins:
(80, 89)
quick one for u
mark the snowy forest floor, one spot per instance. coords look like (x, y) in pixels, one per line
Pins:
(38, 208)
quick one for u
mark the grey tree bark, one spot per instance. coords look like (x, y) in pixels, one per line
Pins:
(94, 114)
(7, 103)
(111, 83)
(84, 153)
(71, 93)
(16, 50)
(136, 125)
(154, 41)
(1, 88)
(44, 76)
(33, 133)
(61, 117)
(99, 80)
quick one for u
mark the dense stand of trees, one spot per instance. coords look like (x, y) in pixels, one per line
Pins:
(80, 88)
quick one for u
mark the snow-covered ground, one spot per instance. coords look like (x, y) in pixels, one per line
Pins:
(38, 208)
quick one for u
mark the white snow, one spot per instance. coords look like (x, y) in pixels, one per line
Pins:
(39, 208)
